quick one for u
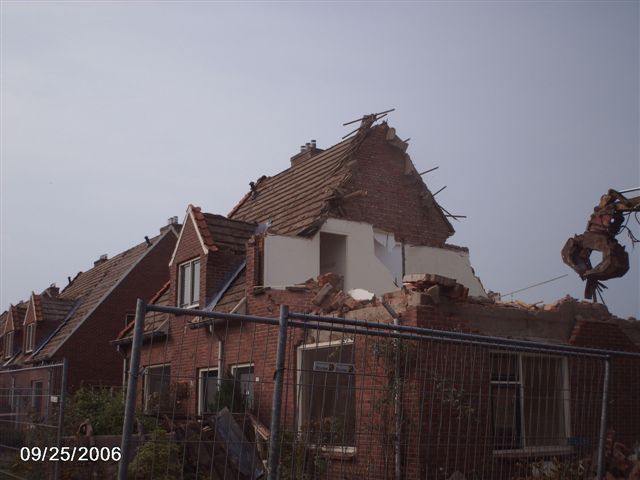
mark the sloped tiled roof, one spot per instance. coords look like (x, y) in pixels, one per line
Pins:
(297, 198)
(153, 321)
(232, 295)
(54, 309)
(229, 234)
(17, 313)
(3, 320)
(89, 289)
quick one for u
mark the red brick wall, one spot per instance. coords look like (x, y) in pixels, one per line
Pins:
(439, 436)
(92, 359)
(394, 202)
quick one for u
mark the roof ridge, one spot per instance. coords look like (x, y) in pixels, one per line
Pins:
(144, 251)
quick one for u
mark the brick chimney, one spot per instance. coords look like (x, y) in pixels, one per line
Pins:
(171, 222)
(103, 258)
(307, 151)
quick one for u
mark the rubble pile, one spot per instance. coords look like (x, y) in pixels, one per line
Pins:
(220, 447)
(621, 462)
(437, 288)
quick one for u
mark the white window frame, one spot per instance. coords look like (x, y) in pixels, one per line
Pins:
(30, 336)
(233, 369)
(566, 403)
(8, 344)
(346, 450)
(201, 386)
(146, 382)
(194, 295)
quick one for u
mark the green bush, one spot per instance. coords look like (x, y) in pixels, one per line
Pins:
(157, 458)
(104, 410)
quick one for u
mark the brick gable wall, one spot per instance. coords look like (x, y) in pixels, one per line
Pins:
(396, 201)
(92, 359)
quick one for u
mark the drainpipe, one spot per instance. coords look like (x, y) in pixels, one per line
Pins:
(235, 309)
(397, 398)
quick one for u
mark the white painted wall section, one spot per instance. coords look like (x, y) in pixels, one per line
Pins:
(445, 262)
(290, 260)
(363, 269)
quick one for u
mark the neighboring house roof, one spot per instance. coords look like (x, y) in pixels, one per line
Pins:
(155, 323)
(90, 289)
(229, 234)
(3, 320)
(54, 309)
(217, 232)
(14, 317)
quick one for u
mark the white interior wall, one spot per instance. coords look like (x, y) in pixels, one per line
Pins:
(389, 252)
(290, 260)
(445, 262)
(363, 268)
(373, 260)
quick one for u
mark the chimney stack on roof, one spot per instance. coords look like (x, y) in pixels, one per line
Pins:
(52, 291)
(103, 258)
(307, 151)
(171, 221)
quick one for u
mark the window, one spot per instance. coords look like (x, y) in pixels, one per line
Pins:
(8, 345)
(189, 283)
(36, 396)
(30, 337)
(156, 389)
(529, 401)
(244, 379)
(208, 388)
(326, 393)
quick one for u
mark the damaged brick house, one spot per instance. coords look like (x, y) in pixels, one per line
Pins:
(356, 216)
(76, 324)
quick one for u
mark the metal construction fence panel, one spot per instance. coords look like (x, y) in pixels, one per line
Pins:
(31, 415)
(302, 397)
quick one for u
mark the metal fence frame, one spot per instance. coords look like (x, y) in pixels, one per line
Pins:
(56, 426)
(337, 324)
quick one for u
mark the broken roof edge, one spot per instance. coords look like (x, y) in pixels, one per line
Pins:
(146, 251)
(360, 135)
(161, 331)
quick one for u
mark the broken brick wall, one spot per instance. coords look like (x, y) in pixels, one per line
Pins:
(396, 199)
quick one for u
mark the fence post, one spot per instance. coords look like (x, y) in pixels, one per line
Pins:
(603, 418)
(63, 394)
(130, 403)
(274, 438)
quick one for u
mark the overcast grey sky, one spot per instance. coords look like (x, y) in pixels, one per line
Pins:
(116, 116)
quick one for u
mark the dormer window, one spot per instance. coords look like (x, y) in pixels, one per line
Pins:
(8, 345)
(30, 337)
(189, 283)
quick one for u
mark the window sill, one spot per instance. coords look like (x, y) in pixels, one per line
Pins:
(336, 453)
(190, 307)
(533, 451)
